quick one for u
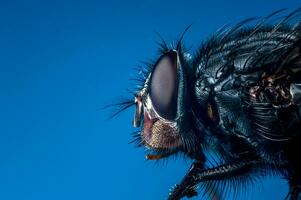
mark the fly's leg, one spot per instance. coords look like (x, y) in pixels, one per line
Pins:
(187, 187)
(197, 174)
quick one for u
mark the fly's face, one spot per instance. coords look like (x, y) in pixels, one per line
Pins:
(159, 106)
(157, 132)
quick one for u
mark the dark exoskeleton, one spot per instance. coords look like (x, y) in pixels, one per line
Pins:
(239, 96)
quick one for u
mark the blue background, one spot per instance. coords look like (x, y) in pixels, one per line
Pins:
(60, 61)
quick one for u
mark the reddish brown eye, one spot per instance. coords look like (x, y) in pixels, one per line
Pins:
(163, 86)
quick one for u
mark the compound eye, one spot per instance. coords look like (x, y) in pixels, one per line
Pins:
(163, 86)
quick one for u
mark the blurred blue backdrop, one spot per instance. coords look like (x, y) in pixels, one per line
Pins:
(60, 61)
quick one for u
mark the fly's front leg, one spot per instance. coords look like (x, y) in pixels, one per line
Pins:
(197, 175)
(187, 187)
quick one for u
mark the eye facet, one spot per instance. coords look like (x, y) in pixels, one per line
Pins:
(163, 86)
